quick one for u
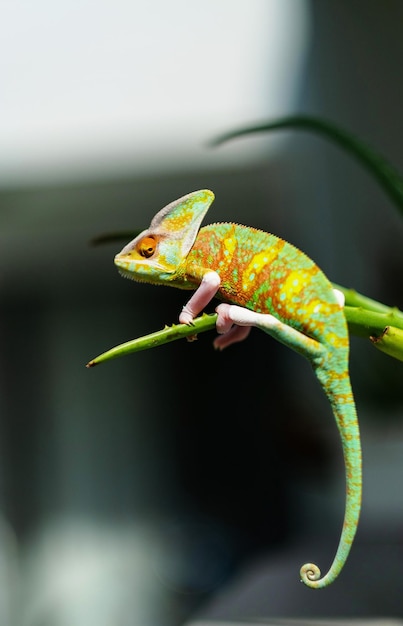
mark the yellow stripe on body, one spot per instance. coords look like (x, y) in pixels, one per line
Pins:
(259, 262)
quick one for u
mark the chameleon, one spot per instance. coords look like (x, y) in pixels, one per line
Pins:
(265, 282)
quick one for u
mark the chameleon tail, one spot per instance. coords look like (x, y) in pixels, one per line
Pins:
(337, 388)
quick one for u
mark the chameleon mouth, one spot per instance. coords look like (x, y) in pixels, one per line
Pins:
(146, 266)
(121, 263)
(138, 278)
(143, 272)
(125, 268)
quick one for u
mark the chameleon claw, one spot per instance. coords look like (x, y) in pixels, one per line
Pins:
(186, 316)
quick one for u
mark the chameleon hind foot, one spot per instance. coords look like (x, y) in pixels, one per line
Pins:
(231, 314)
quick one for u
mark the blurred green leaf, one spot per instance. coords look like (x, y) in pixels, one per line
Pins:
(125, 235)
(377, 165)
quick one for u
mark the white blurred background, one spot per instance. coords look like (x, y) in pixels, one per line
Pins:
(101, 88)
(181, 484)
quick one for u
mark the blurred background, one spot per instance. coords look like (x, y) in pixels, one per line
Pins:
(181, 485)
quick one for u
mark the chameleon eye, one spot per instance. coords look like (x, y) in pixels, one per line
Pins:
(146, 247)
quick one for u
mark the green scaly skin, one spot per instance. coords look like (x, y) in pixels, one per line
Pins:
(268, 283)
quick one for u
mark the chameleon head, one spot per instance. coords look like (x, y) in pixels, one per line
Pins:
(158, 253)
(146, 259)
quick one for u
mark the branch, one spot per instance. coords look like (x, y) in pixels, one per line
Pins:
(160, 337)
(381, 324)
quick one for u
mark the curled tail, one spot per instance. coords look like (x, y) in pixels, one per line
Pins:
(337, 387)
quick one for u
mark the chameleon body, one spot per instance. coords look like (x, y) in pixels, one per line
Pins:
(264, 282)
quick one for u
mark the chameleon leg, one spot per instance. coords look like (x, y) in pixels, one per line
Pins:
(201, 297)
(233, 335)
(229, 314)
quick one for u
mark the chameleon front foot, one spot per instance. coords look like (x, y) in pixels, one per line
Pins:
(310, 575)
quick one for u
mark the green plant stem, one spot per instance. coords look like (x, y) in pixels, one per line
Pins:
(353, 298)
(390, 342)
(365, 323)
(381, 324)
(160, 337)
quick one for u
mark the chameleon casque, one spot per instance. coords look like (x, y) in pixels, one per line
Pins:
(264, 282)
